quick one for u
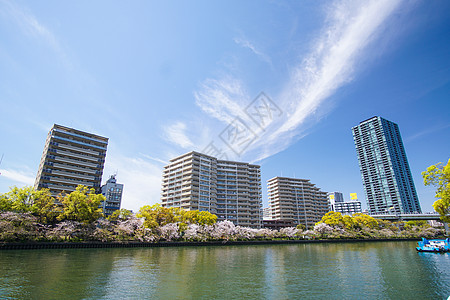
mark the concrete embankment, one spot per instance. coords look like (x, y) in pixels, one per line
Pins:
(67, 245)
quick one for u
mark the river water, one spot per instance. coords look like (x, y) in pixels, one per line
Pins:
(363, 270)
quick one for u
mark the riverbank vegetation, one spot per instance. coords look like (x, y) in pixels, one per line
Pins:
(33, 216)
(439, 176)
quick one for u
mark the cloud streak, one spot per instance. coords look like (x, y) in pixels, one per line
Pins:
(333, 61)
(18, 177)
(31, 26)
(351, 26)
(426, 132)
(247, 44)
(223, 99)
(176, 134)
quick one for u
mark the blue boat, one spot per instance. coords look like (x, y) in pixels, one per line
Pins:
(433, 245)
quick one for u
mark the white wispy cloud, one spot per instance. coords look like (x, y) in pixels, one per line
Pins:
(31, 26)
(176, 134)
(351, 27)
(18, 177)
(337, 54)
(426, 132)
(154, 158)
(249, 45)
(141, 179)
(223, 99)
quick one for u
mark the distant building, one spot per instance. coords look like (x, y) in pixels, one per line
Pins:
(338, 197)
(113, 194)
(334, 197)
(278, 224)
(71, 157)
(267, 213)
(386, 176)
(297, 200)
(348, 208)
(231, 190)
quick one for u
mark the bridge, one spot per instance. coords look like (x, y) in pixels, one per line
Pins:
(410, 217)
(406, 217)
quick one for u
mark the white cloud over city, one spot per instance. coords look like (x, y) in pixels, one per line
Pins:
(349, 28)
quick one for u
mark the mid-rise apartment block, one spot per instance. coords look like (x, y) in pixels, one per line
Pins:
(231, 190)
(113, 194)
(387, 179)
(70, 158)
(297, 200)
(347, 208)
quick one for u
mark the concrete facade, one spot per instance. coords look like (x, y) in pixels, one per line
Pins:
(113, 194)
(70, 158)
(231, 190)
(296, 199)
(348, 208)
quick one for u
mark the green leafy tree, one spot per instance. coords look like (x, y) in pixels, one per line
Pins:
(301, 227)
(333, 219)
(44, 206)
(439, 176)
(19, 199)
(81, 205)
(350, 222)
(5, 203)
(26, 199)
(156, 215)
(197, 217)
(120, 214)
(365, 221)
(419, 224)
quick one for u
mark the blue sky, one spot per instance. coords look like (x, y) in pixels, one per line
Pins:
(164, 78)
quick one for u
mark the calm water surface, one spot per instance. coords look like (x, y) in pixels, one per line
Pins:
(382, 270)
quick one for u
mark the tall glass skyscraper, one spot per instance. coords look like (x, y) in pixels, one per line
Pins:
(385, 172)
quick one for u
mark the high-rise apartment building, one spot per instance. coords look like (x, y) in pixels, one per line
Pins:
(231, 190)
(113, 194)
(71, 157)
(296, 199)
(385, 172)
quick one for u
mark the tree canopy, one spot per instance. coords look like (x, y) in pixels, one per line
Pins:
(81, 205)
(26, 199)
(438, 175)
(120, 214)
(157, 216)
(357, 221)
